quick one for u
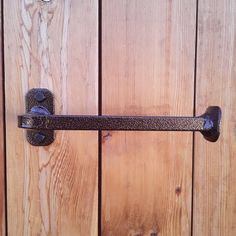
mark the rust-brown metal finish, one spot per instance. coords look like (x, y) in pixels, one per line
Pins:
(41, 122)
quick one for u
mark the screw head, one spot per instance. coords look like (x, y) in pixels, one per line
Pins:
(39, 138)
(39, 96)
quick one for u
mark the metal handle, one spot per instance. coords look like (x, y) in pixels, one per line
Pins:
(41, 122)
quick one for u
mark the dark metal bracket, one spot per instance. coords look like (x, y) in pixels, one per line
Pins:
(41, 122)
(37, 102)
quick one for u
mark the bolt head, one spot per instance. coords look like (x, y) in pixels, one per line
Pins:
(39, 96)
(39, 138)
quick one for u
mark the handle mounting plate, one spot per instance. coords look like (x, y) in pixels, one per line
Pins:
(40, 97)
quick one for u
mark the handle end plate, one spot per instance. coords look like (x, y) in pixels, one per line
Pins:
(214, 114)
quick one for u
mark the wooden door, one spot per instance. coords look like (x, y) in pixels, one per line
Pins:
(214, 211)
(52, 44)
(119, 57)
(2, 141)
(147, 68)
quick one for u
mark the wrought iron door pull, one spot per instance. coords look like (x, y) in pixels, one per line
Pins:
(41, 121)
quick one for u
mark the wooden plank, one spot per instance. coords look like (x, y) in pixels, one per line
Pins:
(53, 44)
(2, 141)
(147, 69)
(215, 163)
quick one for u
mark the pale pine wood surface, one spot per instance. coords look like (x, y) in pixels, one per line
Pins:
(148, 69)
(51, 190)
(2, 169)
(215, 163)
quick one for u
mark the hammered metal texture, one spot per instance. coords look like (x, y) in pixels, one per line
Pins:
(41, 122)
(147, 123)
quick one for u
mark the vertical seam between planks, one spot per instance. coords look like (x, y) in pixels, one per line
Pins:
(194, 114)
(4, 119)
(99, 113)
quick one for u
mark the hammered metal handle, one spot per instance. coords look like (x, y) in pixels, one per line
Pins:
(41, 121)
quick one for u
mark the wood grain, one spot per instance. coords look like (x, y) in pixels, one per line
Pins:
(147, 69)
(2, 141)
(215, 163)
(52, 190)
